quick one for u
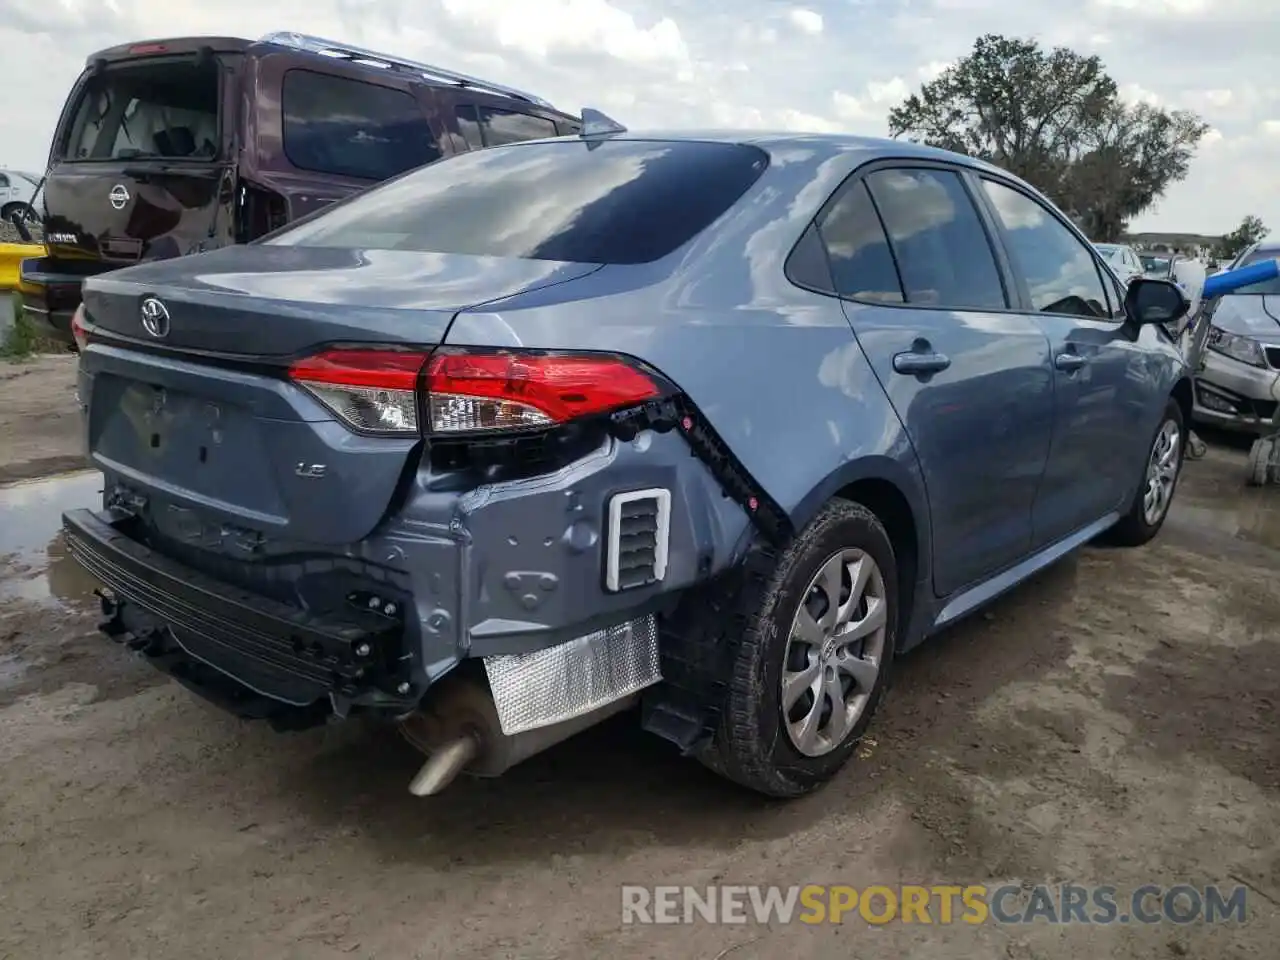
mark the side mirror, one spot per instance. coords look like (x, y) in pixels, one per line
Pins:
(1155, 301)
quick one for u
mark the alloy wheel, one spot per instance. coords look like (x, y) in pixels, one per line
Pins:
(1162, 472)
(834, 652)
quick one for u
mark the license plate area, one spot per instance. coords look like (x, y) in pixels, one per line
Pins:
(201, 449)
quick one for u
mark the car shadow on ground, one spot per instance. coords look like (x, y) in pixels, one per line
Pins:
(615, 787)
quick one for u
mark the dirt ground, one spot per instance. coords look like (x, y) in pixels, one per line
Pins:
(39, 423)
(1114, 722)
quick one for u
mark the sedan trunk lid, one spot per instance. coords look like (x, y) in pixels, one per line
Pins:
(197, 415)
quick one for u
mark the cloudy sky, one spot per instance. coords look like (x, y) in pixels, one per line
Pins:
(820, 65)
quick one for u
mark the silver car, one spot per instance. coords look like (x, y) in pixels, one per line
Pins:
(1122, 260)
(1239, 387)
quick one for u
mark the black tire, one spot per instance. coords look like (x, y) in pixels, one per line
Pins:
(28, 214)
(1133, 529)
(752, 746)
(1260, 455)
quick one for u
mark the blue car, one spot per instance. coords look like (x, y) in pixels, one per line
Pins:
(708, 427)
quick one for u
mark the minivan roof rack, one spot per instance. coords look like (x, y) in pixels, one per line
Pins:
(345, 51)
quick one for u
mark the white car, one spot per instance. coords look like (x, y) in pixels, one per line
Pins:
(17, 193)
(1122, 259)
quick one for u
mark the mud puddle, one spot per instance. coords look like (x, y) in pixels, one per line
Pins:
(1252, 515)
(34, 563)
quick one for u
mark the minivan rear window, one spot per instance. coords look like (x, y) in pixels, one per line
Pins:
(153, 110)
(610, 201)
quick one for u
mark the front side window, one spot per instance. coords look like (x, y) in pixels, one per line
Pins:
(469, 125)
(510, 126)
(938, 240)
(1059, 269)
(614, 201)
(862, 265)
(350, 128)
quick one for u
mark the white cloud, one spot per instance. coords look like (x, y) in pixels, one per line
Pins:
(756, 63)
(1136, 93)
(933, 69)
(559, 26)
(806, 20)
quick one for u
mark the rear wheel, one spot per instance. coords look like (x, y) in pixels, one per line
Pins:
(1161, 471)
(23, 211)
(814, 662)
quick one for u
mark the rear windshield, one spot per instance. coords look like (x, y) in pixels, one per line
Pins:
(166, 110)
(1269, 288)
(612, 201)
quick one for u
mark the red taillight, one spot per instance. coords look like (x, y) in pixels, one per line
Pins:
(78, 329)
(372, 390)
(500, 390)
(142, 49)
(468, 391)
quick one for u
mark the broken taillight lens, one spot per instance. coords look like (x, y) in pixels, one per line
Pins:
(470, 391)
(482, 391)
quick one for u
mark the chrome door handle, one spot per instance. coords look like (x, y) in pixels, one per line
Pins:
(1069, 361)
(919, 364)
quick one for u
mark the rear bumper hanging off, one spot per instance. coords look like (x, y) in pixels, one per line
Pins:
(288, 655)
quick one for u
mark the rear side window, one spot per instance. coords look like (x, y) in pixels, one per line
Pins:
(610, 201)
(1059, 268)
(353, 129)
(861, 262)
(938, 240)
(138, 111)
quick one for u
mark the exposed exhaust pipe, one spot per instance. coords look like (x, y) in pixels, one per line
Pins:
(459, 731)
(444, 766)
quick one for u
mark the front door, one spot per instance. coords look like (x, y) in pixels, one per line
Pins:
(1098, 370)
(969, 378)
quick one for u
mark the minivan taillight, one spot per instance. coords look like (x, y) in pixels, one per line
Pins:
(471, 391)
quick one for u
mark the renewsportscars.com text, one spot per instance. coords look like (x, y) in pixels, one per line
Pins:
(940, 904)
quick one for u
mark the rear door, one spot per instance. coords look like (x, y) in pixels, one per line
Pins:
(142, 165)
(968, 376)
(1101, 392)
(323, 130)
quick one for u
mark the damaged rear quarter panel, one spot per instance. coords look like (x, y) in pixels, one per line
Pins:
(516, 566)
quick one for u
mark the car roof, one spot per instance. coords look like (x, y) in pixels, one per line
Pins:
(778, 144)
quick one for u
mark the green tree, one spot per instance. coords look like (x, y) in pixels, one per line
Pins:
(1054, 118)
(1250, 231)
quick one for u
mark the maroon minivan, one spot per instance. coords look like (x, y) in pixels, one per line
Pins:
(170, 147)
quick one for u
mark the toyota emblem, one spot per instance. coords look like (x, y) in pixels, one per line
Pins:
(118, 196)
(155, 317)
